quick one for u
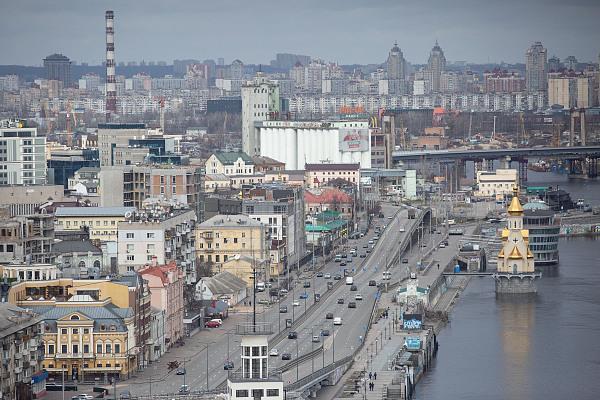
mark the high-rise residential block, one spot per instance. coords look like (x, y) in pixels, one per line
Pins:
(260, 102)
(22, 154)
(436, 65)
(536, 66)
(58, 68)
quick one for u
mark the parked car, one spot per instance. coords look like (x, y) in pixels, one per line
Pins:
(125, 395)
(329, 315)
(372, 283)
(286, 356)
(351, 304)
(368, 251)
(274, 353)
(340, 301)
(296, 303)
(343, 263)
(365, 246)
(218, 321)
(316, 339)
(293, 335)
(212, 324)
(228, 365)
(283, 292)
(337, 321)
(303, 296)
(82, 396)
(283, 309)
(306, 284)
(180, 371)
(363, 255)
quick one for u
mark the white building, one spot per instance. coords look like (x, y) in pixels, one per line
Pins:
(260, 102)
(299, 143)
(497, 183)
(22, 155)
(229, 163)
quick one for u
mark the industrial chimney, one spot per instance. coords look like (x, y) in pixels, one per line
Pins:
(111, 81)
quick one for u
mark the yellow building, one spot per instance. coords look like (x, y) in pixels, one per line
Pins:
(91, 328)
(102, 222)
(222, 237)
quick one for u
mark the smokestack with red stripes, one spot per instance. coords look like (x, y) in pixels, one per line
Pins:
(111, 81)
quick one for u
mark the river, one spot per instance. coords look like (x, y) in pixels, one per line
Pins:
(539, 347)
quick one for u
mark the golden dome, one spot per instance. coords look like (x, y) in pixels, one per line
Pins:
(515, 207)
(515, 254)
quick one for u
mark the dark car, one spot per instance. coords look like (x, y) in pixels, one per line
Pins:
(329, 316)
(126, 395)
(344, 256)
(340, 301)
(365, 246)
(353, 288)
(283, 309)
(351, 304)
(319, 274)
(304, 296)
(405, 261)
(343, 263)
(306, 284)
(368, 251)
(286, 356)
(293, 335)
(228, 365)
(372, 283)
(363, 255)
(325, 332)
(337, 277)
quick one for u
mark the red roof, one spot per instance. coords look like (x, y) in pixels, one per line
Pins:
(327, 196)
(160, 271)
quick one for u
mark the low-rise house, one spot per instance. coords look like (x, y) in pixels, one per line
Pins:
(229, 163)
(223, 286)
(78, 259)
(328, 199)
(319, 175)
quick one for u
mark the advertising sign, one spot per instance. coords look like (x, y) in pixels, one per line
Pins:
(354, 139)
(412, 321)
(412, 343)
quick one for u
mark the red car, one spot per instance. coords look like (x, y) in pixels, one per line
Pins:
(212, 324)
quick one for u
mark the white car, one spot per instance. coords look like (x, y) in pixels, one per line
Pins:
(274, 353)
(327, 276)
(442, 245)
(217, 320)
(358, 297)
(296, 303)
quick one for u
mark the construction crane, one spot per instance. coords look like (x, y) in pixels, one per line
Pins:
(69, 127)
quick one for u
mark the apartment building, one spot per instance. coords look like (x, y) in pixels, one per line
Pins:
(22, 154)
(229, 163)
(26, 238)
(102, 222)
(22, 354)
(497, 183)
(318, 175)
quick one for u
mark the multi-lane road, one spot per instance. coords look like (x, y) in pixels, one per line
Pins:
(221, 344)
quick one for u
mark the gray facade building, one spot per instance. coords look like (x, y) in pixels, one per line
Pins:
(58, 68)
(536, 68)
(436, 65)
(396, 70)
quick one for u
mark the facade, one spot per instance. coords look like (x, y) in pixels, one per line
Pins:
(503, 82)
(158, 233)
(536, 68)
(58, 68)
(229, 163)
(328, 199)
(22, 354)
(18, 272)
(79, 259)
(26, 239)
(544, 232)
(85, 181)
(157, 334)
(102, 222)
(25, 200)
(260, 102)
(396, 70)
(223, 237)
(318, 175)
(435, 66)
(571, 90)
(111, 135)
(22, 155)
(225, 286)
(166, 288)
(298, 143)
(499, 183)
(113, 311)
(516, 270)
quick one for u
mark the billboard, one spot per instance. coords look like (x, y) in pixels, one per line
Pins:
(412, 343)
(412, 321)
(354, 139)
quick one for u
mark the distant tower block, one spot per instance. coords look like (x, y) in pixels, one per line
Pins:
(111, 82)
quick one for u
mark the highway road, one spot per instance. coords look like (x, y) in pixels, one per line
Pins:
(220, 344)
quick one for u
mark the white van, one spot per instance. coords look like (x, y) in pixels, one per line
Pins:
(337, 321)
(349, 280)
(260, 286)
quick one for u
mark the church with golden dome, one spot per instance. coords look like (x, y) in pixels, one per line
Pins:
(516, 271)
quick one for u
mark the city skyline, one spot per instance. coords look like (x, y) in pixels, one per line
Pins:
(186, 29)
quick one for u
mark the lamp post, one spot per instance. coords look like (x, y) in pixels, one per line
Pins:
(333, 347)
(297, 363)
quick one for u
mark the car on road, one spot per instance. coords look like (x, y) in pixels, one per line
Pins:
(184, 389)
(125, 394)
(82, 396)
(293, 335)
(303, 296)
(371, 242)
(376, 238)
(401, 229)
(442, 245)
(365, 246)
(283, 292)
(343, 263)
(337, 277)
(286, 356)
(353, 288)
(351, 304)
(325, 332)
(368, 251)
(405, 261)
(363, 255)
(306, 284)
(264, 302)
(337, 321)
(296, 303)
(274, 353)
(390, 217)
(218, 321)
(340, 301)
(327, 276)
(283, 309)
(358, 296)
(228, 365)
(180, 371)
(316, 339)
(329, 315)
(212, 324)
(372, 283)
(344, 255)
(319, 274)
(329, 285)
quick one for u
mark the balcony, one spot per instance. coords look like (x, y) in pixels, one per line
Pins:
(18, 356)
(18, 370)
(33, 343)
(208, 235)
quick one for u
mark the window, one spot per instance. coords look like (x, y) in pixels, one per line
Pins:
(130, 257)
(63, 331)
(63, 349)
(75, 349)
(74, 318)
(129, 235)
(75, 331)
(150, 235)
(241, 393)
(99, 348)
(130, 248)
(258, 393)
(117, 348)
(108, 348)
(50, 349)
(272, 392)
(86, 348)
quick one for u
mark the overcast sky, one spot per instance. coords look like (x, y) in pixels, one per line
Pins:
(346, 31)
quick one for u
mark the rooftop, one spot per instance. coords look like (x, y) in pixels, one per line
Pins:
(229, 221)
(230, 157)
(75, 246)
(332, 167)
(93, 211)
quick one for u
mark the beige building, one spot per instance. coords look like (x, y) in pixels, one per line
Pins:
(242, 267)
(223, 237)
(515, 256)
(497, 183)
(318, 175)
(229, 163)
(113, 135)
(102, 222)
(571, 91)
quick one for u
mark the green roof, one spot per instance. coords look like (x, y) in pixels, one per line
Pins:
(329, 226)
(230, 157)
(328, 215)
